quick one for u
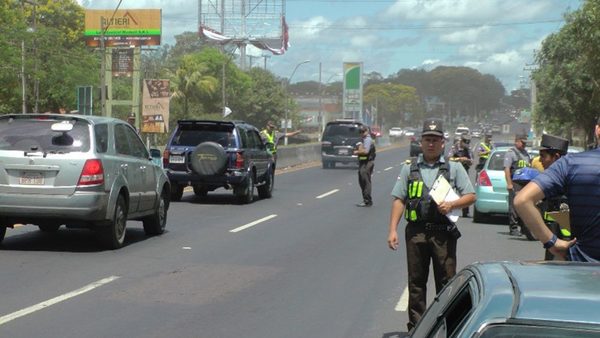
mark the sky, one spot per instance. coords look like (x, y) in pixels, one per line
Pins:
(497, 37)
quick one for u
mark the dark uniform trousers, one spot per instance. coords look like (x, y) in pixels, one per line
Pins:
(422, 247)
(365, 170)
(513, 217)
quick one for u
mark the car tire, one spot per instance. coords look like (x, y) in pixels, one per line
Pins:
(2, 232)
(266, 190)
(478, 217)
(156, 223)
(200, 191)
(245, 193)
(209, 158)
(49, 227)
(176, 192)
(113, 235)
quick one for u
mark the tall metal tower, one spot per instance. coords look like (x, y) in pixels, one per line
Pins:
(238, 23)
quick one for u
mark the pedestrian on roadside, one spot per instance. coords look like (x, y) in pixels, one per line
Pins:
(576, 177)
(366, 162)
(462, 154)
(271, 136)
(515, 158)
(429, 235)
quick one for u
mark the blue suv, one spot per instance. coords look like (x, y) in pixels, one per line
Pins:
(218, 154)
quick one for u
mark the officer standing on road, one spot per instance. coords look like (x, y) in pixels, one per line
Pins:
(551, 149)
(271, 137)
(462, 154)
(430, 235)
(483, 151)
(515, 158)
(366, 162)
(575, 176)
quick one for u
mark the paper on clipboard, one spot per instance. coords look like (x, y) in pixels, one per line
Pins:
(441, 191)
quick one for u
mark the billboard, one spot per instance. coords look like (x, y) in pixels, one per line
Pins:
(128, 27)
(155, 106)
(353, 88)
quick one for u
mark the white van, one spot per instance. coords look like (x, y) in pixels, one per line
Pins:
(460, 130)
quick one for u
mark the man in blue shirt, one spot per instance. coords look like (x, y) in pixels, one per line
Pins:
(577, 176)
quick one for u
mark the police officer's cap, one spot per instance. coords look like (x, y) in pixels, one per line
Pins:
(433, 126)
(551, 142)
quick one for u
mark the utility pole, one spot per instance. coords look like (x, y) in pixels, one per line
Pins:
(102, 70)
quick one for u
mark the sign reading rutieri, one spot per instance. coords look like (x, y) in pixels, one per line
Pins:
(128, 27)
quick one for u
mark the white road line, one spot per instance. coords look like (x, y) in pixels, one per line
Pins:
(253, 223)
(7, 318)
(388, 168)
(328, 193)
(403, 302)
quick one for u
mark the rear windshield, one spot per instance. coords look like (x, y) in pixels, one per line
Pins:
(497, 161)
(193, 135)
(345, 130)
(36, 135)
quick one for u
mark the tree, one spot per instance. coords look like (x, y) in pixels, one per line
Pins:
(394, 102)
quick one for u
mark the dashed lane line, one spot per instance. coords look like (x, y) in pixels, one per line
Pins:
(328, 193)
(403, 302)
(29, 310)
(243, 227)
(388, 168)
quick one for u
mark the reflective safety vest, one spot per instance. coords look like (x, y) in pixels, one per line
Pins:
(487, 149)
(270, 141)
(370, 156)
(420, 207)
(553, 205)
(521, 162)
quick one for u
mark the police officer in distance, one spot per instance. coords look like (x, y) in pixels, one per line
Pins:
(483, 151)
(551, 149)
(271, 136)
(366, 162)
(515, 158)
(462, 154)
(429, 234)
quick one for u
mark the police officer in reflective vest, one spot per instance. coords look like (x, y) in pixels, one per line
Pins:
(271, 137)
(429, 235)
(366, 161)
(515, 158)
(462, 154)
(483, 151)
(551, 149)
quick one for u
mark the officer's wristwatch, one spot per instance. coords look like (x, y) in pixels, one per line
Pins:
(551, 242)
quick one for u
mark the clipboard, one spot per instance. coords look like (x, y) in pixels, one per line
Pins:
(441, 191)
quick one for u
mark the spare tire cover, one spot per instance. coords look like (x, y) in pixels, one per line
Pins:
(209, 158)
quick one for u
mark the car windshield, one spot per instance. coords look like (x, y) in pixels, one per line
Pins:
(36, 135)
(192, 135)
(343, 130)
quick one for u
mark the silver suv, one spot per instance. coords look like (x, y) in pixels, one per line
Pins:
(80, 171)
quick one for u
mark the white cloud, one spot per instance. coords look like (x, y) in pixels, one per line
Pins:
(310, 29)
(464, 36)
(430, 62)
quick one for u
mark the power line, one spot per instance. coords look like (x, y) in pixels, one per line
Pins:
(423, 27)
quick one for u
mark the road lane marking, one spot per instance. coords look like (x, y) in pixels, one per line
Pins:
(253, 223)
(328, 193)
(388, 168)
(29, 310)
(403, 302)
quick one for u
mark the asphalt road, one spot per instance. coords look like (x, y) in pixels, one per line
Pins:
(306, 263)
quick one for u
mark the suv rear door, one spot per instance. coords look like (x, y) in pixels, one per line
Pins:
(35, 159)
(129, 165)
(256, 150)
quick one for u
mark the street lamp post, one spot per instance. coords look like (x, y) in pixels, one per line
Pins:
(287, 108)
(321, 115)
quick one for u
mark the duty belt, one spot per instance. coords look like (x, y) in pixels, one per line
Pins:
(436, 226)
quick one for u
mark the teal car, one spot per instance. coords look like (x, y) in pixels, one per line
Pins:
(490, 188)
(548, 299)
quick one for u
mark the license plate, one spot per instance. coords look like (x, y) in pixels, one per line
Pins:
(31, 179)
(343, 151)
(176, 159)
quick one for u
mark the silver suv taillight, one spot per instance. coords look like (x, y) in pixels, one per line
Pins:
(92, 173)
